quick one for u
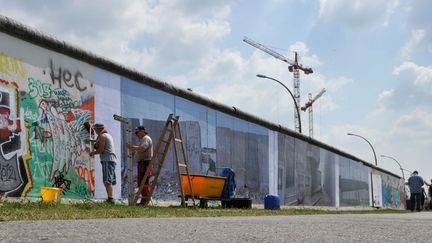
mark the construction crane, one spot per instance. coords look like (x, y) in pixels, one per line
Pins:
(308, 106)
(293, 67)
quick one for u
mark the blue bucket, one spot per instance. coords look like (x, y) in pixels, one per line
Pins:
(272, 202)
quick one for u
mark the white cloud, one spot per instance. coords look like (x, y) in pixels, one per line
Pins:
(231, 79)
(420, 75)
(383, 96)
(413, 88)
(176, 41)
(405, 137)
(417, 37)
(419, 23)
(409, 139)
(337, 136)
(304, 57)
(152, 37)
(338, 83)
(357, 13)
(415, 124)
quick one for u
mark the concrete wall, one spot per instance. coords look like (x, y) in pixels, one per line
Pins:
(49, 90)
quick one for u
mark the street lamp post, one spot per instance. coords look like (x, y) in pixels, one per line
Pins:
(403, 175)
(373, 150)
(292, 96)
(376, 164)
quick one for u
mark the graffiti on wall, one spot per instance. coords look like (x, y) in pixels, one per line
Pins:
(11, 145)
(43, 140)
(10, 66)
(392, 192)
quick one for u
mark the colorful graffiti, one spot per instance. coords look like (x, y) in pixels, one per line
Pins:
(11, 66)
(43, 140)
(392, 192)
(11, 137)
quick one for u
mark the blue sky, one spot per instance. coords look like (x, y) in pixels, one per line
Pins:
(372, 56)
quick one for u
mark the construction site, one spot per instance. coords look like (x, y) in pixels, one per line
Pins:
(204, 151)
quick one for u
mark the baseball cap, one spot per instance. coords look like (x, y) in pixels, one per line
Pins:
(98, 126)
(140, 128)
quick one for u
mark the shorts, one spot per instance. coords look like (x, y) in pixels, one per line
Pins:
(108, 172)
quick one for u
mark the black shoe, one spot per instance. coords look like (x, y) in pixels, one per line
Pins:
(110, 200)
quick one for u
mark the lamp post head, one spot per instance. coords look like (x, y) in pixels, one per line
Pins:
(291, 94)
(373, 150)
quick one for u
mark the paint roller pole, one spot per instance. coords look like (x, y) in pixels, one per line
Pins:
(128, 137)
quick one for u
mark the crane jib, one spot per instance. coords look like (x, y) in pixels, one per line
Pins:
(294, 64)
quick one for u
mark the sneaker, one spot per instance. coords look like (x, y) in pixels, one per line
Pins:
(110, 200)
(144, 202)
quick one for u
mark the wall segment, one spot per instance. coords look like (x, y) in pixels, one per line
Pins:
(49, 89)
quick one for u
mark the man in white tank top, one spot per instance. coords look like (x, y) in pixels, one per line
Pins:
(105, 148)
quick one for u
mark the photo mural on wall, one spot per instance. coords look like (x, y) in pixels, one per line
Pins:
(354, 179)
(43, 140)
(167, 187)
(246, 160)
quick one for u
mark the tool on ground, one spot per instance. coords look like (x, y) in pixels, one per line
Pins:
(171, 132)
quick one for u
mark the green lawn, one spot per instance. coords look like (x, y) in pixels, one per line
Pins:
(11, 211)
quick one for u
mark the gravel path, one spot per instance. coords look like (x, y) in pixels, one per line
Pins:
(414, 227)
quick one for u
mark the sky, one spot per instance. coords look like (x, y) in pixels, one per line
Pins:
(374, 58)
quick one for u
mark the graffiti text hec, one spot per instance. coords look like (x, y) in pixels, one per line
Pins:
(63, 75)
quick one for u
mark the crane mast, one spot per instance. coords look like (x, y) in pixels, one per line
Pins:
(309, 106)
(293, 67)
(296, 84)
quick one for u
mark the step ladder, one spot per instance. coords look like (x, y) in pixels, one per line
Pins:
(171, 133)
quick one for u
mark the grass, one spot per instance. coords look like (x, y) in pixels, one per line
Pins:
(13, 211)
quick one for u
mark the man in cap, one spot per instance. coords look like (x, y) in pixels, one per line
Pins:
(415, 183)
(143, 154)
(104, 146)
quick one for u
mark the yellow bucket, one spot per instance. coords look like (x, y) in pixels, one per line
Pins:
(50, 194)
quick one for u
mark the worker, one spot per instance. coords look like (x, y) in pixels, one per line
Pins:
(104, 146)
(143, 153)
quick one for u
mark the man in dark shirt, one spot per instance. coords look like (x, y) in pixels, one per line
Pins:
(415, 183)
(430, 196)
